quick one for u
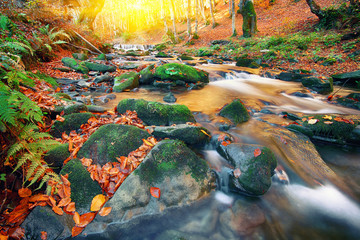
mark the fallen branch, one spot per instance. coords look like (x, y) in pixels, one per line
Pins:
(73, 45)
(87, 42)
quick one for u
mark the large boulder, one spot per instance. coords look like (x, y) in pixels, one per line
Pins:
(255, 170)
(155, 113)
(190, 134)
(56, 156)
(83, 188)
(99, 67)
(146, 75)
(71, 122)
(322, 86)
(111, 141)
(235, 111)
(80, 56)
(126, 81)
(77, 66)
(350, 79)
(182, 177)
(246, 62)
(182, 72)
(352, 100)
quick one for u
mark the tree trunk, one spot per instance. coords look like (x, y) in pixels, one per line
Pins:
(163, 16)
(230, 11)
(196, 16)
(175, 40)
(233, 17)
(188, 17)
(315, 9)
(248, 13)
(89, 12)
(203, 10)
(212, 15)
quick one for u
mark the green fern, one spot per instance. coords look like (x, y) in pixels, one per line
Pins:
(16, 47)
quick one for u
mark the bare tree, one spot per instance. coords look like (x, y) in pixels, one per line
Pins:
(212, 15)
(247, 10)
(175, 40)
(163, 15)
(88, 13)
(196, 17)
(233, 18)
(188, 17)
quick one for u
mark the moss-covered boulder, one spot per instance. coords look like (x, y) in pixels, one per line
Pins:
(75, 108)
(190, 134)
(96, 109)
(155, 113)
(111, 141)
(246, 62)
(300, 129)
(101, 57)
(235, 111)
(99, 67)
(72, 122)
(322, 86)
(162, 55)
(62, 96)
(77, 66)
(177, 71)
(80, 56)
(255, 171)
(330, 128)
(350, 79)
(146, 75)
(352, 100)
(125, 81)
(182, 177)
(56, 156)
(185, 57)
(83, 188)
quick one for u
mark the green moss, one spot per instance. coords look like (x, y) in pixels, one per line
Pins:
(80, 56)
(300, 129)
(146, 75)
(72, 63)
(75, 108)
(72, 122)
(235, 111)
(99, 67)
(185, 57)
(62, 95)
(170, 158)
(176, 71)
(83, 188)
(125, 81)
(56, 156)
(155, 113)
(162, 55)
(101, 57)
(321, 86)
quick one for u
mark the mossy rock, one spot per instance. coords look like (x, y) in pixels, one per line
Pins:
(350, 79)
(256, 172)
(96, 109)
(111, 141)
(146, 75)
(83, 188)
(245, 62)
(72, 122)
(56, 156)
(80, 56)
(72, 63)
(352, 101)
(330, 129)
(300, 129)
(177, 71)
(155, 113)
(190, 134)
(170, 158)
(235, 111)
(62, 96)
(126, 81)
(101, 57)
(75, 108)
(99, 67)
(162, 55)
(322, 86)
(185, 57)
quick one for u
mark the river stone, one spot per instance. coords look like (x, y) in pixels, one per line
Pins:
(177, 71)
(256, 172)
(99, 67)
(173, 234)
(352, 100)
(155, 113)
(245, 62)
(80, 56)
(103, 78)
(322, 86)
(96, 109)
(235, 111)
(56, 156)
(72, 63)
(182, 176)
(62, 96)
(350, 78)
(72, 122)
(146, 75)
(190, 134)
(169, 98)
(75, 108)
(241, 220)
(162, 55)
(44, 219)
(294, 77)
(111, 141)
(83, 188)
(125, 81)
(102, 57)
(185, 57)
(129, 65)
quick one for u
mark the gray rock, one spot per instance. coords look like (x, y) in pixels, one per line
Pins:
(235, 111)
(103, 78)
(349, 79)
(83, 84)
(96, 109)
(322, 86)
(169, 98)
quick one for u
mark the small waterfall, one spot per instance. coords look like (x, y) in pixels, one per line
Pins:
(134, 47)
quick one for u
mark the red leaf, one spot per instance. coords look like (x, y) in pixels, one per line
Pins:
(57, 210)
(24, 192)
(43, 235)
(76, 231)
(257, 152)
(155, 192)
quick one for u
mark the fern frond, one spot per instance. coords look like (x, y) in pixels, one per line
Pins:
(61, 33)
(15, 148)
(43, 180)
(22, 160)
(16, 46)
(59, 42)
(36, 170)
(7, 113)
(48, 47)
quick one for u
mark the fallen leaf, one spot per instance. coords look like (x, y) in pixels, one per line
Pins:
(57, 210)
(3, 237)
(86, 218)
(64, 202)
(148, 143)
(155, 192)
(97, 202)
(237, 173)
(17, 233)
(76, 218)
(257, 152)
(76, 231)
(313, 121)
(105, 211)
(328, 122)
(52, 201)
(39, 198)
(24, 192)
(327, 117)
(205, 133)
(70, 207)
(43, 235)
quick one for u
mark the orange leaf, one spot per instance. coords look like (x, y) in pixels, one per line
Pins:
(76, 218)
(64, 202)
(205, 133)
(237, 173)
(39, 198)
(105, 211)
(43, 235)
(17, 233)
(3, 237)
(86, 218)
(76, 231)
(148, 143)
(64, 179)
(24, 192)
(52, 201)
(257, 152)
(97, 202)
(70, 207)
(155, 192)
(57, 210)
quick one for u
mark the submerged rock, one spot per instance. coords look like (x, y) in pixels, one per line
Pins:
(352, 100)
(155, 113)
(245, 62)
(235, 111)
(111, 141)
(128, 81)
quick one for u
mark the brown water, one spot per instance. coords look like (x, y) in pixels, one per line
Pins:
(322, 199)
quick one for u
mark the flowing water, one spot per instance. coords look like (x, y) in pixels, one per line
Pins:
(321, 200)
